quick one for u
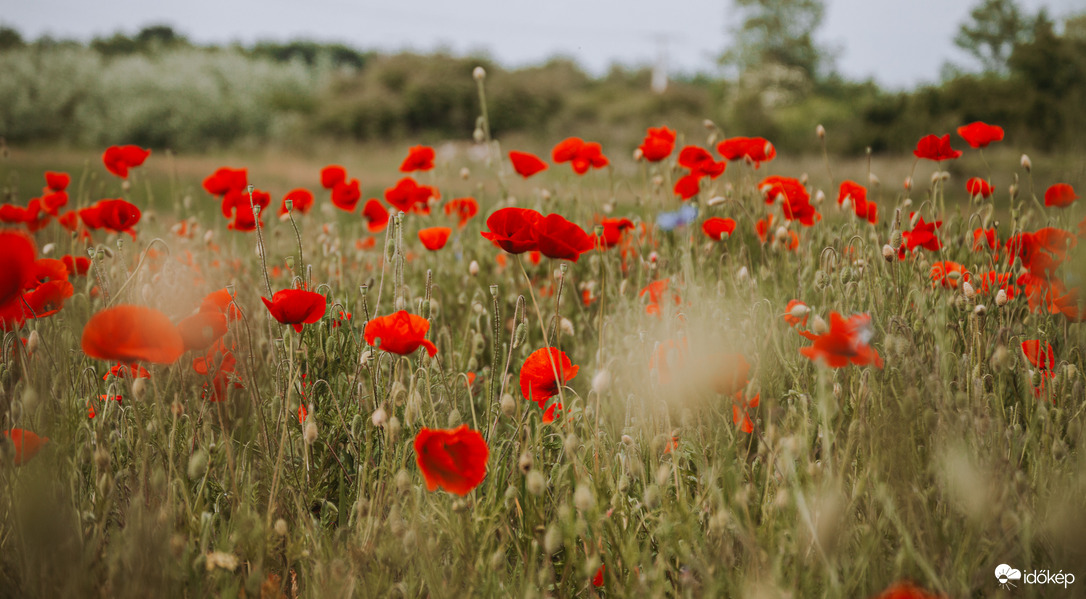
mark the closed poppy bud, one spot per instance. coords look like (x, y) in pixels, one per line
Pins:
(888, 253)
(310, 431)
(33, 341)
(820, 131)
(968, 291)
(508, 405)
(980, 310)
(583, 499)
(819, 326)
(478, 74)
(743, 275)
(478, 135)
(1027, 163)
(139, 386)
(601, 381)
(535, 483)
(525, 462)
(281, 527)
(1001, 298)
(197, 464)
(473, 268)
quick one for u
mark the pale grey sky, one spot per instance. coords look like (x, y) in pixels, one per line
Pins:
(897, 42)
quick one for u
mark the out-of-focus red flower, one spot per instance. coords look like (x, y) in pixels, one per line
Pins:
(985, 238)
(538, 382)
(53, 202)
(923, 235)
(526, 164)
(796, 204)
(941, 273)
(239, 205)
(846, 341)
(716, 228)
(202, 329)
(464, 209)
(419, 158)
(27, 444)
(933, 147)
(76, 265)
(296, 307)
(434, 238)
(1060, 195)
(128, 333)
(300, 199)
(658, 144)
(333, 175)
(761, 228)
(979, 187)
(127, 371)
(17, 266)
(400, 333)
(741, 407)
(560, 239)
(613, 228)
(980, 134)
(656, 290)
(376, 215)
(225, 180)
(906, 590)
(57, 181)
(796, 313)
(597, 578)
(409, 196)
(513, 229)
(118, 159)
(755, 149)
(453, 459)
(687, 186)
(220, 301)
(856, 194)
(1042, 357)
(580, 154)
(345, 195)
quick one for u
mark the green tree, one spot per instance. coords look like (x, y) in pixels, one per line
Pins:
(10, 38)
(779, 32)
(994, 28)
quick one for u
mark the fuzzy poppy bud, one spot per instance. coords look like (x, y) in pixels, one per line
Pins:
(508, 405)
(567, 326)
(638, 154)
(525, 462)
(197, 464)
(465, 173)
(601, 381)
(888, 253)
(310, 431)
(535, 483)
(743, 275)
(473, 268)
(819, 326)
(1001, 298)
(583, 499)
(819, 197)
(520, 334)
(139, 386)
(281, 527)
(820, 131)
(799, 311)
(980, 310)
(478, 74)
(33, 341)
(967, 290)
(1027, 163)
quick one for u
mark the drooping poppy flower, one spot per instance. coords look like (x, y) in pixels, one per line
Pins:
(27, 444)
(400, 333)
(948, 274)
(979, 187)
(17, 266)
(560, 239)
(906, 590)
(979, 134)
(933, 147)
(296, 307)
(537, 377)
(118, 159)
(526, 164)
(1060, 195)
(796, 313)
(434, 238)
(716, 228)
(580, 154)
(419, 158)
(345, 195)
(464, 208)
(57, 181)
(755, 149)
(613, 228)
(202, 329)
(225, 180)
(923, 235)
(128, 333)
(658, 144)
(333, 175)
(846, 341)
(409, 196)
(301, 201)
(376, 215)
(453, 459)
(513, 229)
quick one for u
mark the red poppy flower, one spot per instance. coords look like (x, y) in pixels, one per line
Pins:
(27, 444)
(846, 341)
(716, 228)
(400, 333)
(796, 203)
(687, 186)
(579, 154)
(53, 202)
(741, 410)
(941, 273)
(301, 200)
(755, 149)
(980, 134)
(128, 333)
(48, 298)
(224, 376)
(76, 265)
(560, 239)
(537, 377)
(906, 590)
(453, 459)
(333, 175)
(923, 235)
(856, 194)
(1060, 195)
(419, 158)
(933, 147)
(17, 266)
(125, 371)
(526, 164)
(513, 229)
(700, 162)
(613, 228)
(658, 144)
(409, 196)
(464, 209)
(434, 238)
(116, 215)
(979, 187)
(1042, 358)
(118, 159)
(761, 228)
(985, 237)
(57, 181)
(225, 180)
(796, 313)
(597, 579)
(345, 195)
(655, 291)
(239, 205)
(296, 307)
(376, 215)
(202, 329)
(220, 301)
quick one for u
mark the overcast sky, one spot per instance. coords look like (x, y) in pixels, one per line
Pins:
(897, 42)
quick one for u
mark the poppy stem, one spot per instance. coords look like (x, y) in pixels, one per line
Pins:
(543, 329)
(494, 354)
(297, 237)
(260, 244)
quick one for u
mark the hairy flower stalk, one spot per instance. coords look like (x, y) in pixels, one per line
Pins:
(260, 244)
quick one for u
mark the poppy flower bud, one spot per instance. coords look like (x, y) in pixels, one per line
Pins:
(819, 326)
(567, 326)
(819, 197)
(708, 124)
(781, 234)
(379, 417)
(743, 275)
(535, 483)
(465, 173)
(1001, 298)
(908, 183)
(478, 74)
(638, 154)
(651, 499)
(310, 431)
(888, 253)
(525, 462)
(803, 178)
(935, 177)
(820, 131)
(403, 481)
(454, 418)
(601, 381)
(715, 201)
(138, 387)
(980, 310)
(552, 540)
(33, 341)
(1027, 163)
(657, 181)
(873, 179)
(393, 428)
(968, 291)
(583, 499)
(197, 464)
(478, 135)
(798, 311)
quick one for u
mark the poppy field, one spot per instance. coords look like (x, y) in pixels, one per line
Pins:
(687, 368)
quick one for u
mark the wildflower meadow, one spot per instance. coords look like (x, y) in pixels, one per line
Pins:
(690, 368)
